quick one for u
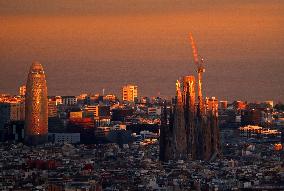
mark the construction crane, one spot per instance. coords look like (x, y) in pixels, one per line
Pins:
(200, 70)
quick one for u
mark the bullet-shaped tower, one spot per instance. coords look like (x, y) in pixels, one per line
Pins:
(36, 106)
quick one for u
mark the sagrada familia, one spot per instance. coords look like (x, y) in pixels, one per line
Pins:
(189, 128)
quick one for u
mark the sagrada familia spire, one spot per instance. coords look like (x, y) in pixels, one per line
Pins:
(189, 129)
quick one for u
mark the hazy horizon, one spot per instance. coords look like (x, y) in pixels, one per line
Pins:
(85, 46)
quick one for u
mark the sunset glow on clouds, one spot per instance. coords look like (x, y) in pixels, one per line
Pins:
(106, 43)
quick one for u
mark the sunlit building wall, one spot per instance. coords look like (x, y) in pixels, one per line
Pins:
(75, 115)
(223, 105)
(270, 102)
(239, 105)
(17, 112)
(211, 104)
(58, 100)
(52, 108)
(110, 97)
(98, 110)
(129, 93)
(22, 90)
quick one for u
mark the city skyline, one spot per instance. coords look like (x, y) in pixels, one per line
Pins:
(86, 47)
(141, 95)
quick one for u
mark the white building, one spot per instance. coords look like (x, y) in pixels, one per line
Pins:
(69, 100)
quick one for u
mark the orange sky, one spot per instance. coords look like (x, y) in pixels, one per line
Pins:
(104, 44)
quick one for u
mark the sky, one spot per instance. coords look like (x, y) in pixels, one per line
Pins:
(85, 46)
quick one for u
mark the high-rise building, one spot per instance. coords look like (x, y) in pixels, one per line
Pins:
(22, 90)
(52, 107)
(36, 106)
(129, 93)
(98, 110)
(69, 100)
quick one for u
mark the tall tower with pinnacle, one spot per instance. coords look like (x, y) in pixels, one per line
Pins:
(193, 130)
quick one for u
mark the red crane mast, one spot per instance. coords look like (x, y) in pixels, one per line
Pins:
(200, 70)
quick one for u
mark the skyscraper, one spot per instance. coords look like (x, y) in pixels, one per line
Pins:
(129, 93)
(36, 107)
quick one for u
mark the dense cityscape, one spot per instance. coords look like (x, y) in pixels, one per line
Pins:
(143, 95)
(100, 142)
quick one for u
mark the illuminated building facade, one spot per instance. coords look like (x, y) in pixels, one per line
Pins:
(239, 105)
(36, 107)
(223, 105)
(129, 93)
(110, 97)
(52, 107)
(22, 90)
(97, 110)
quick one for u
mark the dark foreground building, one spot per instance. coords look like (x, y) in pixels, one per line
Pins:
(36, 106)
